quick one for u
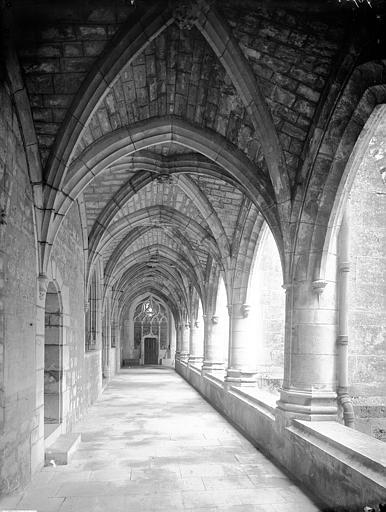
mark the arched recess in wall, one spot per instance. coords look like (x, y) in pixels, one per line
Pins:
(53, 360)
(356, 252)
(266, 298)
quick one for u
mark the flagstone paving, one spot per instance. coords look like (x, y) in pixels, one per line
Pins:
(152, 443)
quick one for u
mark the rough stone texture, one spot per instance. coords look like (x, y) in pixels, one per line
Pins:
(57, 54)
(17, 304)
(176, 74)
(226, 201)
(367, 286)
(83, 376)
(291, 57)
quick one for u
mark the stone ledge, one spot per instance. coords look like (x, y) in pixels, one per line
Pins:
(359, 451)
(214, 380)
(194, 368)
(258, 403)
(62, 449)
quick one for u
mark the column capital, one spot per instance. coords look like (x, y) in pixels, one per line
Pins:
(245, 310)
(239, 310)
(215, 319)
(43, 281)
(318, 286)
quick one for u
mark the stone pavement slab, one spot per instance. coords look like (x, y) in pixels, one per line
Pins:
(151, 443)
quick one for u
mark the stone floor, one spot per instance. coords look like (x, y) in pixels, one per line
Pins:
(152, 443)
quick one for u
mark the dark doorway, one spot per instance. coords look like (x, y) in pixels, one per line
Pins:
(151, 351)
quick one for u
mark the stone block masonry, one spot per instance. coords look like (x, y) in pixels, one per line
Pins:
(17, 304)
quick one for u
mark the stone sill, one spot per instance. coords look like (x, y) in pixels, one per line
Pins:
(195, 368)
(359, 451)
(263, 403)
(214, 380)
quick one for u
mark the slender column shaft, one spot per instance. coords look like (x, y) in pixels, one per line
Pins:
(196, 344)
(185, 342)
(241, 369)
(342, 339)
(213, 347)
(179, 328)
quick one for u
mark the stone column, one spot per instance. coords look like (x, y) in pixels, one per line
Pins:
(343, 323)
(179, 328)
(184, 355)
(108, 369)
(309, 386)
(213, 354)
(241, 370)
(196, 345)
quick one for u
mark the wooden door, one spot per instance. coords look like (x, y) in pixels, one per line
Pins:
(151, 351)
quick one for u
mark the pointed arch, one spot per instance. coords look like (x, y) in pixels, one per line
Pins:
(124, 141)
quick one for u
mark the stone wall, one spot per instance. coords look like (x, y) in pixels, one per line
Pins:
(83, 375)
(367, 321)
(17, 304)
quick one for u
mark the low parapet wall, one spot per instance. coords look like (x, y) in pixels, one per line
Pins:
(343, 468)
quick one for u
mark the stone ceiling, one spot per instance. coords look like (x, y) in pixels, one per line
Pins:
(168, 201)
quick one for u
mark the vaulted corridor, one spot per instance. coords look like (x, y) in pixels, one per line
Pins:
(152, 443)
(195, 186)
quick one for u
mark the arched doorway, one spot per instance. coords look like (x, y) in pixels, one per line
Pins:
(151, 332)
(53, 363)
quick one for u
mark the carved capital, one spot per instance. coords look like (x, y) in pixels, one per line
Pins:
(164, 177)
(245, 309)
(318, 286)
(43, 285)
(215, 319)
(86, 306)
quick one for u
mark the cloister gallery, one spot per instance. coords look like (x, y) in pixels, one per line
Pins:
(200, 186)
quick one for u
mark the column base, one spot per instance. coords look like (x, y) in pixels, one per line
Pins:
(308, 405)
(240, 377)
(184, 356)
(195, 360)
(212, 367)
